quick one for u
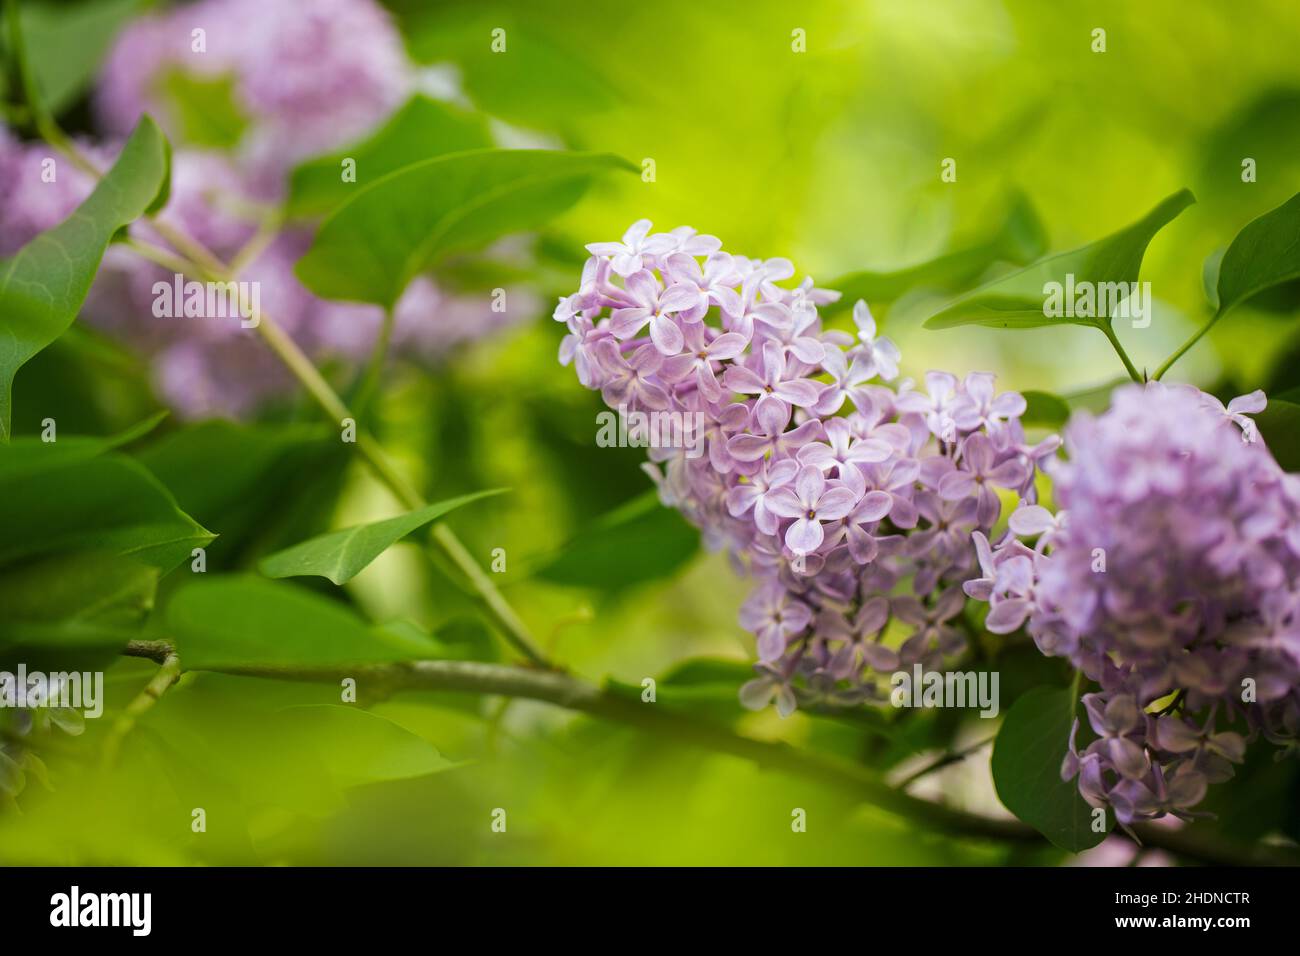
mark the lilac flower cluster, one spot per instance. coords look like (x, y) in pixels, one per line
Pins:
(1170, 576)
(309, 79)
(850, 501)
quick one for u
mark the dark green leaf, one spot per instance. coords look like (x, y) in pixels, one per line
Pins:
(80, 599)
(32, 454)
(395, 228)
(341, 555)
(420, 130)
(1018, 300)
(1266, 253)
(43, 285)
(1027, 756)
(638, 542)
(108, 503)
(1045, 409)
(1279, 426)
(258, 486)
(239, 621)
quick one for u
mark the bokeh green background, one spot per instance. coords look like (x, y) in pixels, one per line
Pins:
(829, 157)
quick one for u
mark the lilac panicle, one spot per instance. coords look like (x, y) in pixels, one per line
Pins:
(849, 500)
(1170, 576)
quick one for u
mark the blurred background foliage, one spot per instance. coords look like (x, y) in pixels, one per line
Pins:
(829, 157)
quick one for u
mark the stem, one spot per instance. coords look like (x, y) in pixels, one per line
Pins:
(946, 760)
(562, 690)
(374, 370)
(168, 673)
(1196, 337)
(1119, 350)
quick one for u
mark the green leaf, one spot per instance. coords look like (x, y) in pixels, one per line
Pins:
(80, 599)
(1279, 425)
(358, 747)
(638, 542)
(1044, 409)
(341, 555)
(205, 108)
(420, 130)
(231, 478)
(1018, 300)
(66, 42)
(1027, 756)
(43, 285)
(1266, 253)
(108, 503)
(33, 454)
(242, 621)
(1020, 239)
(397, 227)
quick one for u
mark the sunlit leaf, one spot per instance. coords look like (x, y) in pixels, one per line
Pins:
(420, 130)
(358, 747)
(240, 621)
(1017, 301)
(341, 555)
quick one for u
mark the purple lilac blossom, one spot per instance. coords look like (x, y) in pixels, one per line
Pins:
(311, 79)
(1170, 576)
(850, 501)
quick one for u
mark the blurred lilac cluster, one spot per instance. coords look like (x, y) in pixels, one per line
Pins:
(309, 78)
(1171, 578)
(851, 502)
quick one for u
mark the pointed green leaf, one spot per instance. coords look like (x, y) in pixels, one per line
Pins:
(341, 555)
(400, 225)
(420, 130)
(241, 621)
(1017, 301)
(43, 285)
(358, 747)
(30, 453)
(1027, 756)
(1266, 253)
(108, 503)
(638, 541)
(75, 600)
